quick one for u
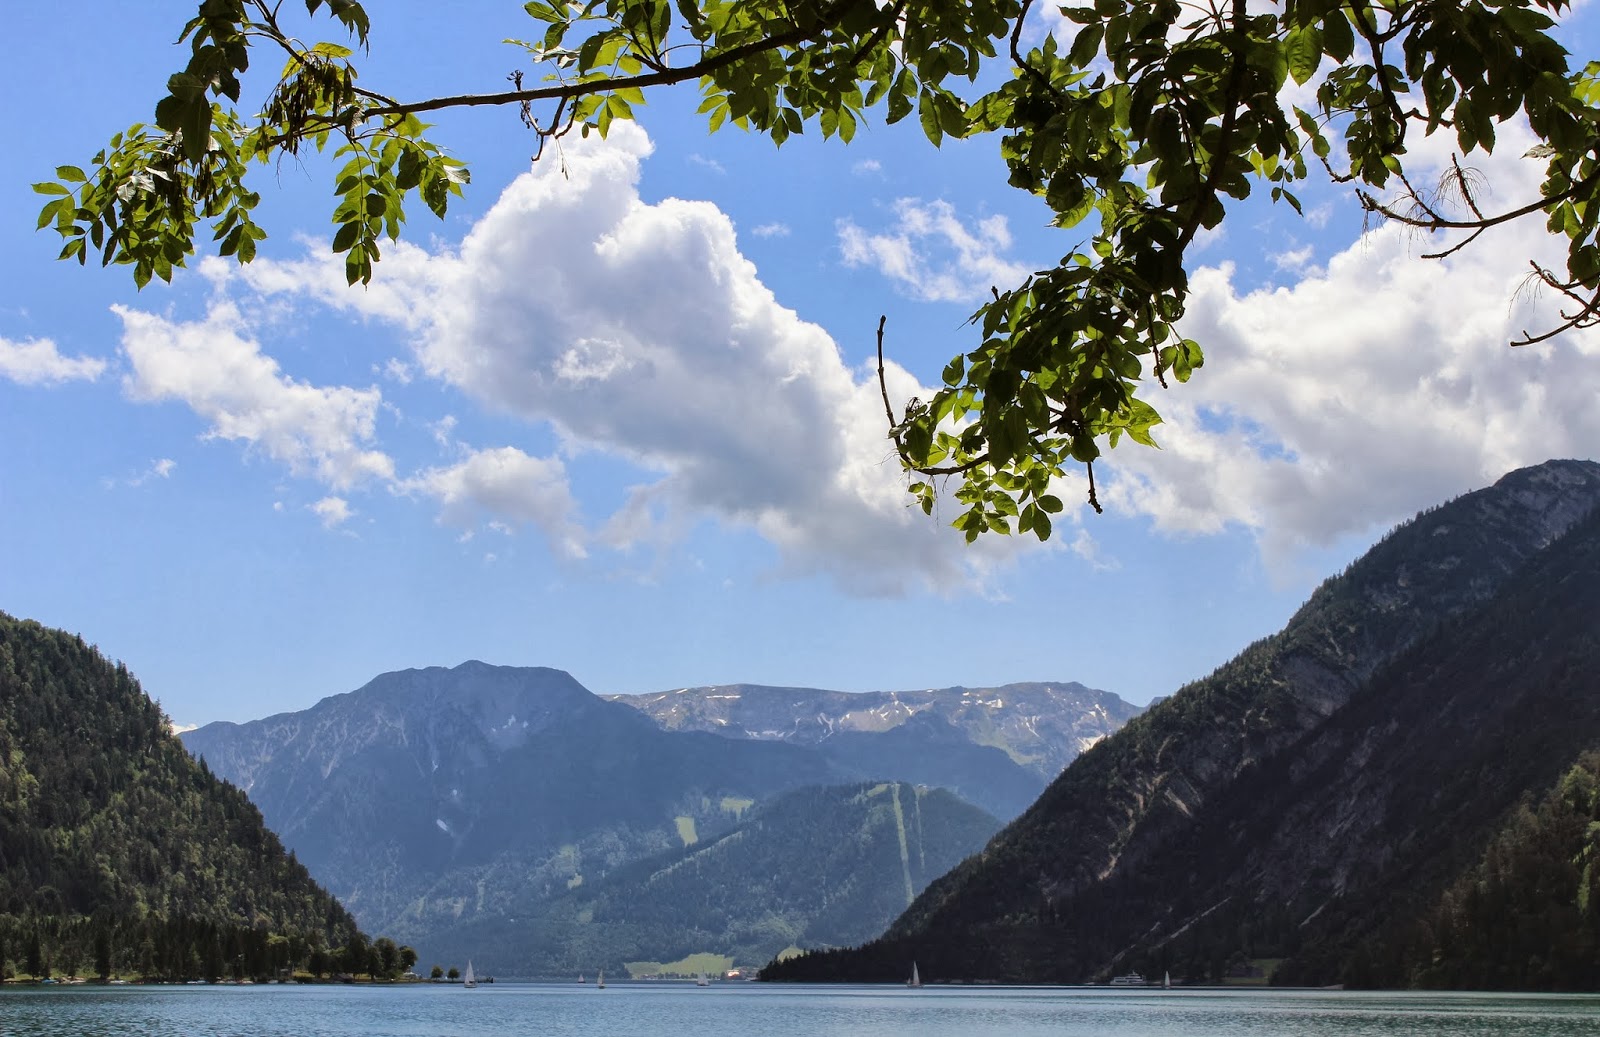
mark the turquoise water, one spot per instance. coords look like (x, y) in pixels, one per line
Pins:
(751, 1010)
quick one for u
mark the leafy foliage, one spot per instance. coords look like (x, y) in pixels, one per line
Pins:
(1143, 128)
(118, 850)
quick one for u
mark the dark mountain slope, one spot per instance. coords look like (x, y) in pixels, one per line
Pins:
(1159, 840)
(104, 816)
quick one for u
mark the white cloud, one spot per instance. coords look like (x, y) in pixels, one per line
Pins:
(212, 367)
(639, 331)
(444, 431)
(38, 362)
(161, 468)
(1373, 387)
(333, 511)
(866, 166)
(772, 230)
(1295, 259)
(708, 163)
(397, 370)
(933, 254)
(508, 483)
(1087, 548)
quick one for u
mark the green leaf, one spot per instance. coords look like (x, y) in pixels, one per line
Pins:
(1338, 39)
(346, 236)
(1303, 51)
(928, 114)
(1041, 526)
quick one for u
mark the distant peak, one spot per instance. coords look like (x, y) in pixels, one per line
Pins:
(1557, 470)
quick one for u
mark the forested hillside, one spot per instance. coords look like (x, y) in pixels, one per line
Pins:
(815, 866)
(117, 850)
(1527, 916)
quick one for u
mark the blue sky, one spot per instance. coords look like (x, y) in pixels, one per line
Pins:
(621, 421)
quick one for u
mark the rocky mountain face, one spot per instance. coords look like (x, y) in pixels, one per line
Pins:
(1039, 727)
(815, 866)
(438, 800)
(1312, 798)
(425, 796)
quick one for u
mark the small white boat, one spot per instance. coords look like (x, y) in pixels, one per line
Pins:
(581, 979)
(915, 980)
(469, 981)
(1132, 979)
(1166, 981)
(701, 981)
(600, 982)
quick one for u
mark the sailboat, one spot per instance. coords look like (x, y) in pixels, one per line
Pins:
(581, 979)
(1166, 981)
(701, 981)
(469, 981)
(600, 981)
(915, 980)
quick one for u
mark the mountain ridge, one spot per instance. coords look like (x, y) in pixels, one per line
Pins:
(1085, 881)
(1074, 716)
(429, 798)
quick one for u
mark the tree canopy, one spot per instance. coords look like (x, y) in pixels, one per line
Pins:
(1139, 121)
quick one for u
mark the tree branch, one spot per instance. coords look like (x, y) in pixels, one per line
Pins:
(566, 91)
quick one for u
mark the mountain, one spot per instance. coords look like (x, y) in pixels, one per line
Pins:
(996, 747)
(815, 866)
(430, 797)
(117, 850)
(1313, 799)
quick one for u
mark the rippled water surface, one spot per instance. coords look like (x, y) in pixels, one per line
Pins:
(751, 1010)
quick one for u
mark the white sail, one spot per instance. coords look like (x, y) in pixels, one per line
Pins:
(469, 981)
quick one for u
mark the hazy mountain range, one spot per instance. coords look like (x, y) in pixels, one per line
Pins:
(1039, 727)
(441, 804)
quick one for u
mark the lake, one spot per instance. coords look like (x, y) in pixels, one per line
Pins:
(757, 1010)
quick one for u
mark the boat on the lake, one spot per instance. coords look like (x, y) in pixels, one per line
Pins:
(469, 981)
(915, 980)
(600, 981)
(1132, 979)
(701, 981)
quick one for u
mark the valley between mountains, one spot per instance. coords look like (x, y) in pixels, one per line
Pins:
(511, 816)
(1401, 788)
